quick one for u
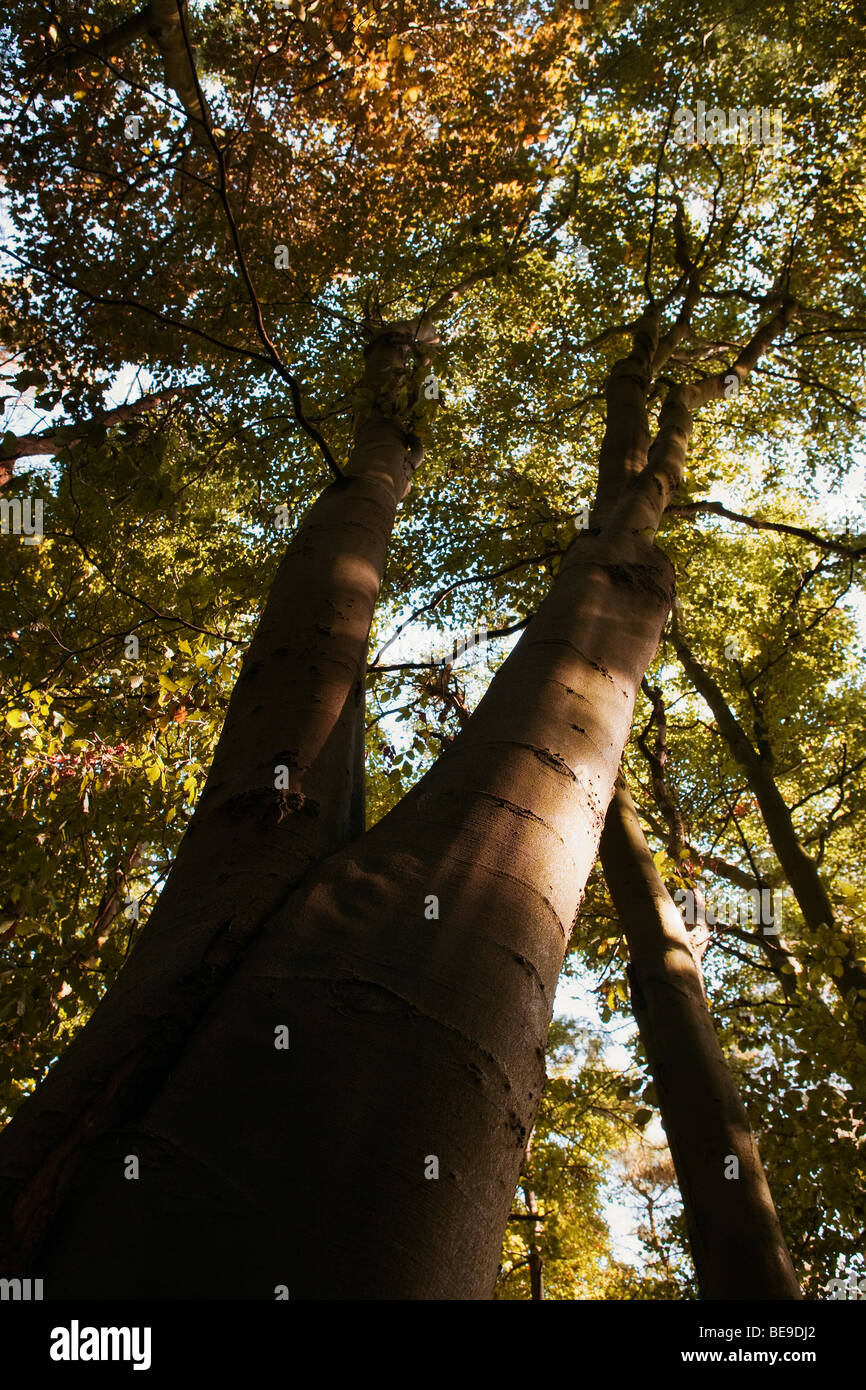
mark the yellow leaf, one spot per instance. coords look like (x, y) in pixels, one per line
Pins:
(152, 773)
(78, 96)
(16, 718)
(408, 53)
(394, 47)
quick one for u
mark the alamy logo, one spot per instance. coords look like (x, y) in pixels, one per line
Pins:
(20, 1290)
(467, 641)
(756, 126)
(22, 518)
(758, 908)
(852, 1287)
(76, 1343)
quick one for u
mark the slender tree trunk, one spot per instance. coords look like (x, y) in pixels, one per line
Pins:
(737, 1244)
(111, 907)
(536, 1263)
(775, 950)
(282, 792)
(799, 868)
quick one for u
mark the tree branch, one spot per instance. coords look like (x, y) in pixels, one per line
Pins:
(801, 532)
(50, 442)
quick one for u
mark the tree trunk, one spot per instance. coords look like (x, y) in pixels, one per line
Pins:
(414, 971)
(536, 1263)
(736, 1241)
(799, 868)
(282, 792)
(775, 950)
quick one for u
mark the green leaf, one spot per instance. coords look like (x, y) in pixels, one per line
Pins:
(29, 378)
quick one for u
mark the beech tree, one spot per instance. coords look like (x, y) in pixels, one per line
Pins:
(545, 308)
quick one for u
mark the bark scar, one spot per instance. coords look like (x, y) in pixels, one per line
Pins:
(522, 811)
(554, 760)
(268, 805)
(530, 969)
